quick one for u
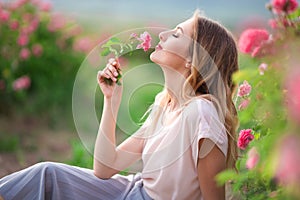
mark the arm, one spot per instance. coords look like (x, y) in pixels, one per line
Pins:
(109, 160)
(208, 167)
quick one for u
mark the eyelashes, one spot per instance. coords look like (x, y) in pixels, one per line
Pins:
(175, 35)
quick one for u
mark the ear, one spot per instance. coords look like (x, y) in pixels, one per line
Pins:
(188, 65)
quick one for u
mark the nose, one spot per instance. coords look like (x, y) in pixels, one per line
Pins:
(163, 35)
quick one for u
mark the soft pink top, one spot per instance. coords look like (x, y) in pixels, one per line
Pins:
(170, 154)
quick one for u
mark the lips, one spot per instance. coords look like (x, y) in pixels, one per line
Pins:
(158, 47)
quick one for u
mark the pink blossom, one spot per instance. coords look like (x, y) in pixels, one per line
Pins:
(262, 68)
(4, 15)
(57, 21)
(34, 24)
(14, 25)
(17, 4)
(288, 6)
(293, 95)
(24, 53)
(244, 104)
(23, 40)
(21, 83)
(287, 171)
(251, 40)
(253, 158)
(145, 40)
(83, 45)
(45, 6)
(244, 89)
(273, 23)
(37, 50)
(133, 35)
(2, 84)
(245, 137)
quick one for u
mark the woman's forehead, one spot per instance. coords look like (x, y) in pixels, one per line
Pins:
(187, 26)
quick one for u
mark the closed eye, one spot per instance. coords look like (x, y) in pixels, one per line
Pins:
(175, 35)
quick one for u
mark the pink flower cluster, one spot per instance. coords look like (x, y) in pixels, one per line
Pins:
(145, 39)
(57, 22)
(245, 136)
(262, 68)
(84, 45)
(252, 40)
(4, 15)
(244, 104)
(244, 89)
(284, 6)
(21, 83)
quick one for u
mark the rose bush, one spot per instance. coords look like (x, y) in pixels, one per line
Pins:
(268, 164)
(38, 57)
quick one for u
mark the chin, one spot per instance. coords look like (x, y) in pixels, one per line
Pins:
(157, 57)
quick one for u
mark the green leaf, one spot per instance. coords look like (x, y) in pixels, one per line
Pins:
(256, 135)
(225, 176)
(105, 51)
(238, 164)
(114, 40)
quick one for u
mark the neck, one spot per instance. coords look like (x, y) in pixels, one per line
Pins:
(174, 82)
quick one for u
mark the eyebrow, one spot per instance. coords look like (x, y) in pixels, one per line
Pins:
(178, 27)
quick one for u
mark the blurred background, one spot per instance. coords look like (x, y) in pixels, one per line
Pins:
(44, 43)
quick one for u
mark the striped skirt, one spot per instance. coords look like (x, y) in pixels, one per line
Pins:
(48, 180)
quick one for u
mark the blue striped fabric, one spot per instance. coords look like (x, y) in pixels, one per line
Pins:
(57, 181)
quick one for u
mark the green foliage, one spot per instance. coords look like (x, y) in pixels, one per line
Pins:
(50, 64)
(81, 157)
(267, 115)
(9, 143)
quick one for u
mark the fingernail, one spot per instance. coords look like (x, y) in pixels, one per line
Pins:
(114, 63)
(115, 73)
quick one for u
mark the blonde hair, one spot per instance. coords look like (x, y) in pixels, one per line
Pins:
(214, 60)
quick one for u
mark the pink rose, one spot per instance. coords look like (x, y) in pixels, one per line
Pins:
(251, 41)
(83, 45)
(287, 170)
(14, 25)
(57, 22)
(145, 39)
(133, 35)
(244, 89)
(262, 68)
(24, 53)
(21, 83)
(37, 50)
(245, 137)
(4, 15)
(23, 40)
(253, 158)
(45, 6)
(273, 23)
(244, 104)
(288, 6)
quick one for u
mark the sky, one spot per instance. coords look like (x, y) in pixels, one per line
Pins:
(132, 13)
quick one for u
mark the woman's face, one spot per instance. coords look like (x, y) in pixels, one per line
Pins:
(173, 48)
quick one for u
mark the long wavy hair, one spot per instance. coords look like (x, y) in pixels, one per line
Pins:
(214, 60)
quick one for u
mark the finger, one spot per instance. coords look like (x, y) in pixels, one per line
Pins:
(113, 70)
(101, 74)
(110, 75)
(114, 62)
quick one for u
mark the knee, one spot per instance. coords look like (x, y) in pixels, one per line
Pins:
(48, 167)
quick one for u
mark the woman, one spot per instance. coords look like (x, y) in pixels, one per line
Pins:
(187, 139)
